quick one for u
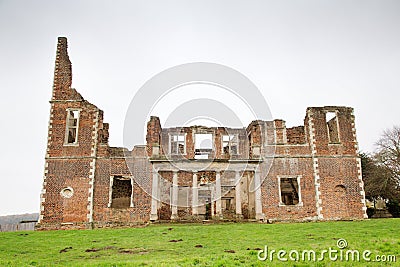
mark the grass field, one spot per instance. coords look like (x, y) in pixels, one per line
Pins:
(229, 244)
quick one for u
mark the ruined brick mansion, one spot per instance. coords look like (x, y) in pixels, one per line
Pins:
(264, 172)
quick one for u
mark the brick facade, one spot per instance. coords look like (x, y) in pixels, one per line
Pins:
(263, 172)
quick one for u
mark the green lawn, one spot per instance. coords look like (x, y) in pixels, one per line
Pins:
(229, 244)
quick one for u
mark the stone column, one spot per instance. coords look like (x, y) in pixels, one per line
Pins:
(218, 206)
(238, 198)
(174, 199)
(154, 197)
(257, 187)
(195, 195)
(212, 202)
(159, 202)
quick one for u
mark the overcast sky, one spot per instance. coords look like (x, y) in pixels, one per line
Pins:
(298, 53)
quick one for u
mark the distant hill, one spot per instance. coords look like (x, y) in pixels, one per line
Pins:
(11, 219)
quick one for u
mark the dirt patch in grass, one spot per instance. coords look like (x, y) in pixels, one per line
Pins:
(174, 240)
(65, 249)
(120, 250)
(139, 251)
(92, 250)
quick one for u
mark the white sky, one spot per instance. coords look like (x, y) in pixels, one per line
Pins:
(298, 53)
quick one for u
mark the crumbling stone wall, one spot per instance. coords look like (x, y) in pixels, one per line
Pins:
(296, 135)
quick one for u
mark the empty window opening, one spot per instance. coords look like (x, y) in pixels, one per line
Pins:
(333, 127)
(72, 127)
(177, 144)
(227, 204)
(182, 200)
(121, 193)
(289, 191)
(340, 189)
(204, 202)
(203, 146)
(183, 196)
(230, 144)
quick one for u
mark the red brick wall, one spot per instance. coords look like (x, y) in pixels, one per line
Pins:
(270, 190)
(330, 173)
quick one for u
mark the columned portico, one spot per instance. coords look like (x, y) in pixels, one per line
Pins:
(217, 190)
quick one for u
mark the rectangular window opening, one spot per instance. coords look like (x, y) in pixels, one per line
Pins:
(121, 197)
(289, 188)
(177, 144)
(203, 146)
(333, 127)
(183, 197)
(230, 144)
(72, 127)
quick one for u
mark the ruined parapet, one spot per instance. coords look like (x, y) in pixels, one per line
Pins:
(332, 130)
(280, 132)
(63, 74)
(153, 137)
(296, 135)
(255, 132)
(118, 152)
(63, 67)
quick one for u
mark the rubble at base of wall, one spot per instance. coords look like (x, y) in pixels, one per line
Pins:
(103, 225)
(62, 226)
(86, 225)
(310, 219)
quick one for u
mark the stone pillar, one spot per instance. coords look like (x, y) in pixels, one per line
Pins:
(195, 195)
(212, 203)
(159, 202)
(257, 187)
(174, 199)
(218, 206)
(154, 197)
(238, 198)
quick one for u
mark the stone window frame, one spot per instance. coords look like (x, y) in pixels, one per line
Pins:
(298, 177)
(337, 127)
(111, 185)
(170, 135)
(229, 142)
(67, 127)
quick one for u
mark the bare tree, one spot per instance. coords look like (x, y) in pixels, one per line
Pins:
(378, 181)
(381, 171)
(388, 153)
